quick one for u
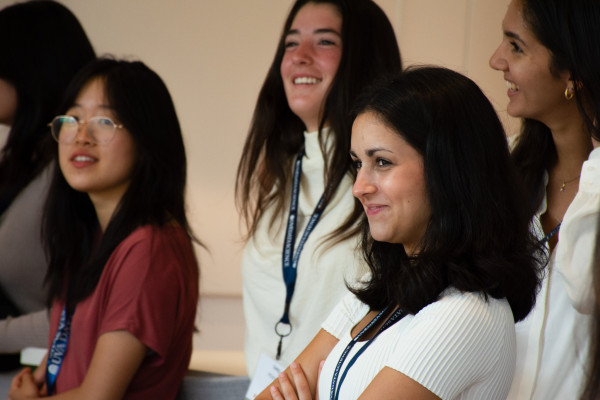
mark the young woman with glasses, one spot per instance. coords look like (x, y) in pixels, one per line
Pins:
(123, 277)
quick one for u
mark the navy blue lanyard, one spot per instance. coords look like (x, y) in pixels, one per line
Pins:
(552, 233)
(58, 349)
(289, 258)
(335, 388)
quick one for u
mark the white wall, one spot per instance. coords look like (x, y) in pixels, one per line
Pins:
(213, 56)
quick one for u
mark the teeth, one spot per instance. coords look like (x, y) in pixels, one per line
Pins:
(83, 158)
(512, 86)
(305, 80)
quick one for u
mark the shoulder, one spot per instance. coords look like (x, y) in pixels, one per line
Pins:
(466, 310)
(457, 341)
(590, 173)
(149, 247)
(154, 238)
(461, 320)
(347, 313)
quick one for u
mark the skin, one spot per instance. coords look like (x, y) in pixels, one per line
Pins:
(390, 183)
(8, 102)
(313, 49)
(106, 172)
(300, 380)
(525, 63)
(305, 370)
(116, 358)
(391, 186)
(105, 178)
(535, 92)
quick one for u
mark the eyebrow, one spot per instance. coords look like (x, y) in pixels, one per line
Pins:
(317, 31)
(514, 36)
(371, 152)
(103, 106)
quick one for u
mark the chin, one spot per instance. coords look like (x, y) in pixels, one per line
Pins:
(381, 236)
(515, 111)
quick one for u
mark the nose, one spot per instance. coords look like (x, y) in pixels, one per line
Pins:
(83, 135)
(498, 61)
(303, 53)
(363, 185)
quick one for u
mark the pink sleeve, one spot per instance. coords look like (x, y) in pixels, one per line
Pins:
(147, 285)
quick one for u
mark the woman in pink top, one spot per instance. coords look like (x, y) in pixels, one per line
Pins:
(123, 277)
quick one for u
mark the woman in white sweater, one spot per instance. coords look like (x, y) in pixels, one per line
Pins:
(328, 52)
(549, 57)
(453, 263)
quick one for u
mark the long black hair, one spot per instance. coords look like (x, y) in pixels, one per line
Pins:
(42, 45)
(478, 238)
(369, 50)
(155, 195)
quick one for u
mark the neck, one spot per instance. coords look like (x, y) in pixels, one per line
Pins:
(573, 144)
(573, 147)
(105, 208)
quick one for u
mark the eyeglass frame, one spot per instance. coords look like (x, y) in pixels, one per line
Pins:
(80, 124)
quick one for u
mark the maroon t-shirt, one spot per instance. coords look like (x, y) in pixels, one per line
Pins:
(149, 287)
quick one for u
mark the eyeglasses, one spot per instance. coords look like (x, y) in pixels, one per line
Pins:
(100, 130)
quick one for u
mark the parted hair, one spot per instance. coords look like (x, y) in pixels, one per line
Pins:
(42, 46)
(155, 196)
(369, 50)
(478, 237)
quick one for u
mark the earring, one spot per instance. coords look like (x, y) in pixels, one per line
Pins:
(568, 95)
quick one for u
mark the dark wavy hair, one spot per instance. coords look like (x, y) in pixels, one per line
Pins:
(155, 196)
(42, 45)
(369, 50)
(478, 238)
(570, 31)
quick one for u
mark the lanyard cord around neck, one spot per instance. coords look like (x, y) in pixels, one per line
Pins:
(551, 233)
(334, 393)
(289, 259)
(56, 355)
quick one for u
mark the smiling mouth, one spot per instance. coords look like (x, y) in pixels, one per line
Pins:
(512, 86)
(305, 80)
(373, 210)
(83, 159)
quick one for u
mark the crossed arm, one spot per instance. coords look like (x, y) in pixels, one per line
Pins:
(299, 380)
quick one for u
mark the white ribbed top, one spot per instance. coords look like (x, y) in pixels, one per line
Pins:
(460, 347)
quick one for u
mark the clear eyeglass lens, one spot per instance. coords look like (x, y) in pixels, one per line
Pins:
(64, 129)
(99, 129)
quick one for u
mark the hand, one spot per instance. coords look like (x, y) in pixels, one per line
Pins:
(39, 377)
(301, 385)
(23, 386)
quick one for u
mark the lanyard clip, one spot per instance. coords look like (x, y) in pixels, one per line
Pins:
(282, 332)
